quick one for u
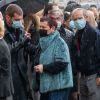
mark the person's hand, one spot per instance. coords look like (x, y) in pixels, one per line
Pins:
(28, 35)
(39, 68)
(98, 81)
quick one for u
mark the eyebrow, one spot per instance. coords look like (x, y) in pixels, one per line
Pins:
(78, 18)
(17, 19)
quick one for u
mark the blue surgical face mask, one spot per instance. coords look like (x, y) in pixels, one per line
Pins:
(71, 24)
(17, 24)
(59, 24)
(80, 24)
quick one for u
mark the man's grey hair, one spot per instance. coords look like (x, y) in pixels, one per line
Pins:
(80, 9)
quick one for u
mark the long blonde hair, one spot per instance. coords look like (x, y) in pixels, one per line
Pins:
(31, 19)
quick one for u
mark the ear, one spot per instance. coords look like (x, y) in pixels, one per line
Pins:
(8, 20)
(7, 17)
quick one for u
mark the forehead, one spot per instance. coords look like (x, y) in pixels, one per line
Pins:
(18, 17)
(43, 24)
(77, 15)
(94, 9)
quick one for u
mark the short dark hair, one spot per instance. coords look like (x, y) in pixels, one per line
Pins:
(14, 8)
(50, 21)
(72, 6)
(70, 2)
(67, 15)
(93, 6)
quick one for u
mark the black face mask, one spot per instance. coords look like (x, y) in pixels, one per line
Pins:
(43, 33)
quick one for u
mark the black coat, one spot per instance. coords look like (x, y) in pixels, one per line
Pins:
(19, 64)
(67, 36)
(6, 84)
(99, 25)
(86, 45)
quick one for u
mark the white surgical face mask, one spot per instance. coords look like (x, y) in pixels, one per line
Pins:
(59, 24)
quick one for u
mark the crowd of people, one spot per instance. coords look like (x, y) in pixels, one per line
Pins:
(54, 55)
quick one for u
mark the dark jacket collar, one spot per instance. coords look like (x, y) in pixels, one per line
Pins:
(9, 29)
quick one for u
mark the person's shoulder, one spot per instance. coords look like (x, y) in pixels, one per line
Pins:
(97, 31)
(89, 27)
(3, 42)
(4, 46)
(61, 43)
(60, 40)
(91, 30)
(68, 31)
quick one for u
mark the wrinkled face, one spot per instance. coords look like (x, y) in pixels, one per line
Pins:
(78, 15)
(79, 19)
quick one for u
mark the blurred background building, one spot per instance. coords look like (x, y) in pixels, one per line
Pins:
(82, 2)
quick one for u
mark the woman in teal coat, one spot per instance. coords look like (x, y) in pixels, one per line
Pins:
(55, 65)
